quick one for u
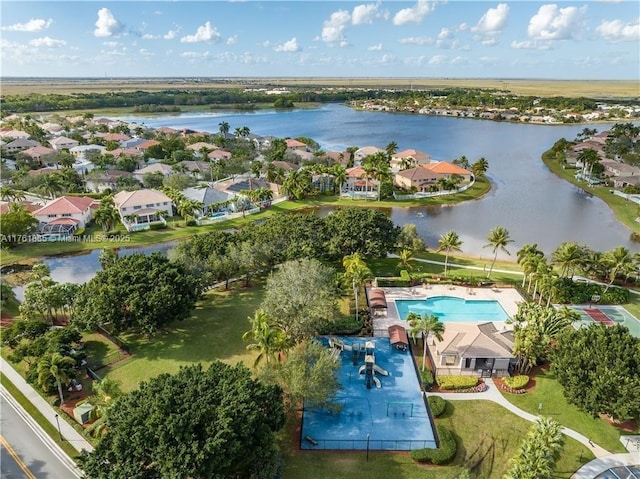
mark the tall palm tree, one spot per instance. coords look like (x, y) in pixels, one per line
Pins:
(425, 325)
(498, 240)
(568, 256)
(448, 242)
(106, 215)
(224, 128)
(588, 157)
(391, 149)
(56, 367)
(188, 208)
(11, 194)
(357, 273)
(268, 339)
(618, 260)
(480, 167)
(339, 173)
(51, 185)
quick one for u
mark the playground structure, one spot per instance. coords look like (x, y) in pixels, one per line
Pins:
(370, 367)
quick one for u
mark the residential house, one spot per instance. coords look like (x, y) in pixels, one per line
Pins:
(363, 152)
(42, 171)
(84, 153)
(63, 216)
(446, 170)
(594, 145)
(198, 169)
(406, 159)
(418, 179)
(624, 181)
(358, 184)
(217, 155)
(41, 154)
(212, 200)
(473, 349)
(27, 205)
(144, 146)
(10, 134)
(166, 170)
(286, 166)
(62, 143)
(140, 209)
(20, 144)
(618, 169)
(132, 143)
(294, 146)
(341, 157)
(263, 142)
(117, 137)
(197, 147)
(107, 179)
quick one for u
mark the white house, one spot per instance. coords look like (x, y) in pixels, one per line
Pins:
(141, 208)
(62, 143)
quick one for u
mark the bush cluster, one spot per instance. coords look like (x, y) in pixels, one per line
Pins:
(480, 388)
(392, 282)
(443, 454)
(426, 377)
(516, 382)
(457, 382)
(570, 292)
(437, 405)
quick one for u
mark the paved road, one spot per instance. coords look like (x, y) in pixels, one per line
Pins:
(24, 452)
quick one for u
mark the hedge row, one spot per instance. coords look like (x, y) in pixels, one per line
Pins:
(442, 455)
(457, 382)
(437, 405)
(516, 382)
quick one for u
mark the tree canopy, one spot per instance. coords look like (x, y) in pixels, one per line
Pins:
(137, 292)
(598, 369)
(214, 423)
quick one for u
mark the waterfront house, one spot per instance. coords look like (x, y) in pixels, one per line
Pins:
(473, 349)
(418, 179)
(446, 170)
(408, 159)
(294, 146)
(63, 216)
(363, 152)
(358, 184)
(140, 209)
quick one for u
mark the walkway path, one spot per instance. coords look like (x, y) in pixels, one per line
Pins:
(493, 394)
(67, 431)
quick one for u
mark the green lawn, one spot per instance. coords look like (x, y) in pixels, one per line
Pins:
(549, 393)
(488, 436)
(214, 332)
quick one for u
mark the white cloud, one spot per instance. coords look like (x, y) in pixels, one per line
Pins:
(204, 33)
(145, 53)
(617, 31)
(375, 48)
(459, 60)
(444, 34)
(489, 42)
(365, 13)
(416, 41)
(463, 27)
(492, 22)
(149, 36)
(171, 34)
(111, 44)
(414, 60)
(553, 23)
(288, 46)
(414, 14)
(531, 44)
(387, 58)
(33, 25)
(333, 29)
(107, 25)
(437, 60)
(232, 40)
(47, 42)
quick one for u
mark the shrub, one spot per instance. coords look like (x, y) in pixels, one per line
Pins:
(437, 405)
(427, 379)
(391, 281)
(516, 382)
(157, 226)
(442, 455)
(457, 382)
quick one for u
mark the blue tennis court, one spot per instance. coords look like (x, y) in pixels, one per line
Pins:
(390, 414)
(614, 315)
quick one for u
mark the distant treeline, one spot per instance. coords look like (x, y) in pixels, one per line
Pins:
(451, 97)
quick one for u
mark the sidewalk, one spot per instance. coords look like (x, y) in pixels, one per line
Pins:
(67, 431)
(493, 394)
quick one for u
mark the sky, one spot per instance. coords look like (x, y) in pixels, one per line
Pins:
(453, 39)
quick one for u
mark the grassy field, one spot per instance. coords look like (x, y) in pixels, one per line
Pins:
(487, 435)
(567, 88)
(549, 393)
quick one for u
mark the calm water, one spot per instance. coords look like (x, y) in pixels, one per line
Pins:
(453, 310)
(393, 417)
(526, 198)
(531, 202)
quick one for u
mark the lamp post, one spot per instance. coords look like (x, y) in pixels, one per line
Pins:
(367, 447)
(59, 431)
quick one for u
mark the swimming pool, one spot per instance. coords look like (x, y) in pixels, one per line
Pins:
(454, 310)
(393, 417)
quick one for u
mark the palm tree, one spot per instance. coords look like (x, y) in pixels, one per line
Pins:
(498, 239)
(51, 185)
(106, 215)
(224, 128)
(391, 149)
(588, 157)
(268, 339)
(106, 392)
(339, 174)
(480, 167)
(357, 272)
(11, 194)
(406, 258)
(618, 260)
(425, 325)
(450, 241)
(568, 256)
(56, 367)
(188, 208)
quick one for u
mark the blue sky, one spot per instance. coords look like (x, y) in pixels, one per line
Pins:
(457, 39)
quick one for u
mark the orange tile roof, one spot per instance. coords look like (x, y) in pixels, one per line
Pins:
(446, 168)
(65, 204)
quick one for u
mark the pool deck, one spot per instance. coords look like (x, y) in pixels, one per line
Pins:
(509, 298)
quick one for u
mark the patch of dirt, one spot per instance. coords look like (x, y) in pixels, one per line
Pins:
(629, 426)
(6, 320)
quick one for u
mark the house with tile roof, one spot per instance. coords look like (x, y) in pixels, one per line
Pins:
(107, 179)
(63, 216)
(8, 133)
(416, 179)
(446, 170)
(363, 152)
(62, 143)
(295, 145)
(406, 159)
(473, 349)
(166, 170)
(358, 184)
(217, 155)
(20, 144)
(140, 209)
(41, 154)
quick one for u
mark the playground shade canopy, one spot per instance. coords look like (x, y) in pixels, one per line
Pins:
(398, 336)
